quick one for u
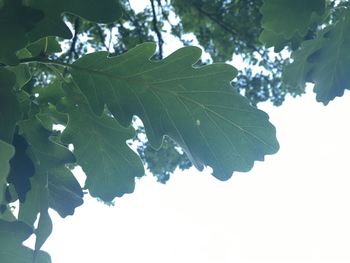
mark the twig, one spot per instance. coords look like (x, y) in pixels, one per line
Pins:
(156, 30)
(72, 53)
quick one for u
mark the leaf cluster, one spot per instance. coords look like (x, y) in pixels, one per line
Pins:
(58, 112)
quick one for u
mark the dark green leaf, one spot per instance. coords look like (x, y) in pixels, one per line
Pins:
(47, 153)
(10, 111)
(65, 193)
(23, 75)
(50, 159)
(194, 106)
(44, 46)
(16, 21)
(52, 25)
(100, 147)
(7, 151)
(12, 235)
(285, 19)
(22, 168)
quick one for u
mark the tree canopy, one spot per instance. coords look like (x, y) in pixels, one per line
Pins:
(61, 107)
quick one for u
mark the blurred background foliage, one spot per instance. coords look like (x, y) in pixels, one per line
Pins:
(225, 29)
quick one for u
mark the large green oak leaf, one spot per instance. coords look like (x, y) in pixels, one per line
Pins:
(296, 74)
(285, 20)
(100, 147)
(196, 107)
(331, 63)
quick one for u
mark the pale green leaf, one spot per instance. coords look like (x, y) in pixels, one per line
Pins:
(196, 107)
(296, 74)
(100, 147)
(331, 63)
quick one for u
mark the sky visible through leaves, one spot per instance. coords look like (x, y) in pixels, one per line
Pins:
(294, 207)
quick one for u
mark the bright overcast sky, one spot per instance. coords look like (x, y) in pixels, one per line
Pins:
(294, 207)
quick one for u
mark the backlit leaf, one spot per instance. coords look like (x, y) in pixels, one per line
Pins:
(196, 107)
(297, 73)
(287, 19)
(100, 147)
(331, 63)
(12, 235)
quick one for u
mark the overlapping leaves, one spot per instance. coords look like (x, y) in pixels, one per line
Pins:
(288, 21)
(194, 106)
(324, 61)
(12, 235)
(100, 147)
(23, 22)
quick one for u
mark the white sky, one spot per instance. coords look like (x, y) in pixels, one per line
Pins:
(294, 207)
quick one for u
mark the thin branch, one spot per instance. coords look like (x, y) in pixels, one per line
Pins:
(156, 29)
(136, 25)
(101, 36)
(110, 39)
(225, 27)
(72, 53)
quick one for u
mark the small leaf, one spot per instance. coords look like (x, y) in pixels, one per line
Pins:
(10, 111)
(44, 46)
(100, 147)
(196, 107)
